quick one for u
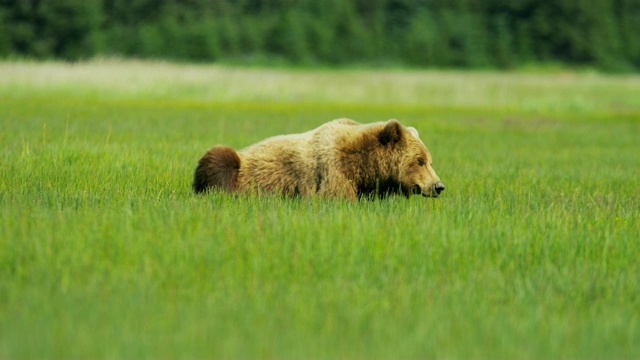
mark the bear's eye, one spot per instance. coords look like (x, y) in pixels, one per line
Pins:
(420, 162)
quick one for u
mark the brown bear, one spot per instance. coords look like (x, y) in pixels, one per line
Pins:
(341, 158)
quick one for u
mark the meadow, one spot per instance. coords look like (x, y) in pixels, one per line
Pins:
(532, 252)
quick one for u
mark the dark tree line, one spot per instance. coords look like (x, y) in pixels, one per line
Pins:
(603, 34)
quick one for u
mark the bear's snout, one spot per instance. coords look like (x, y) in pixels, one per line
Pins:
(430, 191)
(438, 188)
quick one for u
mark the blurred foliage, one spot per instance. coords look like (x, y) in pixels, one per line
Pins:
(424, 33)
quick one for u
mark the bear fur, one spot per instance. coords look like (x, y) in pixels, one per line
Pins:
(341, 158)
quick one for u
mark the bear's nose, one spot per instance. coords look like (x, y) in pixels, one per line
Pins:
(438, 187)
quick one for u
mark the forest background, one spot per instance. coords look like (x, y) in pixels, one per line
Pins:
(494, 34)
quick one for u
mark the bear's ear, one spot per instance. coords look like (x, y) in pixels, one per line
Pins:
(391, 133)
(414, 132)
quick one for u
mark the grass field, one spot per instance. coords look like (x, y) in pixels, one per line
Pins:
(533, 251)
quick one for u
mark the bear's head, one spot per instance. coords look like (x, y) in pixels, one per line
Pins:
(411, 161)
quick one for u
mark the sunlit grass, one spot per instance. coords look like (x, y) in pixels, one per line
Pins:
(532, 252)
(564, 92)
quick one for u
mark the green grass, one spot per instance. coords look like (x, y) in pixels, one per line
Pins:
(532, 252)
